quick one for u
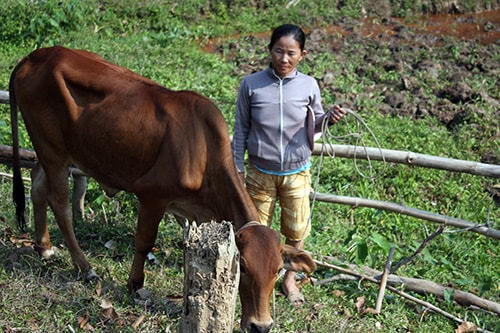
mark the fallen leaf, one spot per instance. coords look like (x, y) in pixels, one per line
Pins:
(318, 306)
(369, 310)
(24, 240)
(145, 297)
(106, 304)
(466, 327)
(110, 245)
(360, 303)
(108, 310)
(98, 288)
(338, 293)
(109, 313)
(83, 320)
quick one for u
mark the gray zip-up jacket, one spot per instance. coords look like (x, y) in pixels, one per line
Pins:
(276, 120)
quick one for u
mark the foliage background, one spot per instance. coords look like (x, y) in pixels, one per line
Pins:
(168, 41)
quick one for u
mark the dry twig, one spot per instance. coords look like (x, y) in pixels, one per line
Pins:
(372, 279)
(426, 241)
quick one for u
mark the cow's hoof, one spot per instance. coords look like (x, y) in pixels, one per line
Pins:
(143, 297)
(47, 253)
(91, 276)
(134, 286)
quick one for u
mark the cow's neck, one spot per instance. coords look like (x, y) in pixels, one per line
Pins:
(235, 203)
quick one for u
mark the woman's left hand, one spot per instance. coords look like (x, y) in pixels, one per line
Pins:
(336, 113)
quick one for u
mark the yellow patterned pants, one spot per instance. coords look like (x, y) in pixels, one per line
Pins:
(291, 191)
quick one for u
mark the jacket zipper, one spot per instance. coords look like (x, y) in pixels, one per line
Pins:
(281, 124)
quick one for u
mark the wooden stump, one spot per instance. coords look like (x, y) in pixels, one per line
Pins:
(211, 278)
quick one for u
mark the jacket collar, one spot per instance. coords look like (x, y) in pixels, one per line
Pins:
(290, 76)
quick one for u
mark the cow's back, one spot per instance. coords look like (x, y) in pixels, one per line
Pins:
(114, 124)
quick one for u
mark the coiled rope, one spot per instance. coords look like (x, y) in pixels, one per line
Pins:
(327, 141)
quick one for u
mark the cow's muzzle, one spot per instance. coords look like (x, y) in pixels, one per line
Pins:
(255, 328)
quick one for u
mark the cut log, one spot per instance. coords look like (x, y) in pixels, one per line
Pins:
(211, 278)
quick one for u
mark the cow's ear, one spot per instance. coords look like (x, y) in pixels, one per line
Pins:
(297, 260)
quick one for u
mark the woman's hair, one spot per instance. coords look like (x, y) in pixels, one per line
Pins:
(288, 30)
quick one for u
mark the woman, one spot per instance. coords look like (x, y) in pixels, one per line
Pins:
(278, 111)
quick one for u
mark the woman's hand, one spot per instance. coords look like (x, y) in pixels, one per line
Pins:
(336, 113)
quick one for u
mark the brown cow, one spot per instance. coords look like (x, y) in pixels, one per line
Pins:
(170, 148)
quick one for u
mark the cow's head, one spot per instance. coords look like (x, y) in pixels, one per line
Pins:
(262, 256)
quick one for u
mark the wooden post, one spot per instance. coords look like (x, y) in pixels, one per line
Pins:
(211, 278)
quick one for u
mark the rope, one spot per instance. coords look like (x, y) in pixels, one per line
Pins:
(361, 126)
(328, 137)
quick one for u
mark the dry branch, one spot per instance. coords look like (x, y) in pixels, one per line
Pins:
(28, 159)
(397, 291)
(426, 241)
(421, 214)
(416, 285)
(383, 281)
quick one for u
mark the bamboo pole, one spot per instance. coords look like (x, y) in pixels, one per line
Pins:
(29, 159)
(421, 214)
(409, 158)
(4, 97)
(388, 155)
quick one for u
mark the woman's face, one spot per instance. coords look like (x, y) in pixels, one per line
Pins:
(285, 55)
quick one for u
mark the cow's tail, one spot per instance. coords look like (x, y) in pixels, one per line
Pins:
(18, 194)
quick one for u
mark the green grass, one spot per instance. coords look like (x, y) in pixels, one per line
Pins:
(167, 41)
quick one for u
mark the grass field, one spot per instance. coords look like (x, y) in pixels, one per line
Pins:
(209, 46)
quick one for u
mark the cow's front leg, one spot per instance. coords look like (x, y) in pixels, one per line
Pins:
(151, 212)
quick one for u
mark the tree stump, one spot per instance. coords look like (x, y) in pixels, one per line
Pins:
(211, 278)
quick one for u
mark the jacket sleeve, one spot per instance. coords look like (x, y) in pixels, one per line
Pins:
(317, 106)
(241, 126)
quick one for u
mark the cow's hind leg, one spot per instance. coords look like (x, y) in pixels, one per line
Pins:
(40, 204)
(151, 212)
(78, 197)
(57, 194)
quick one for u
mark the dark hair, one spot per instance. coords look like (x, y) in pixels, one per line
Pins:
(288, 30)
